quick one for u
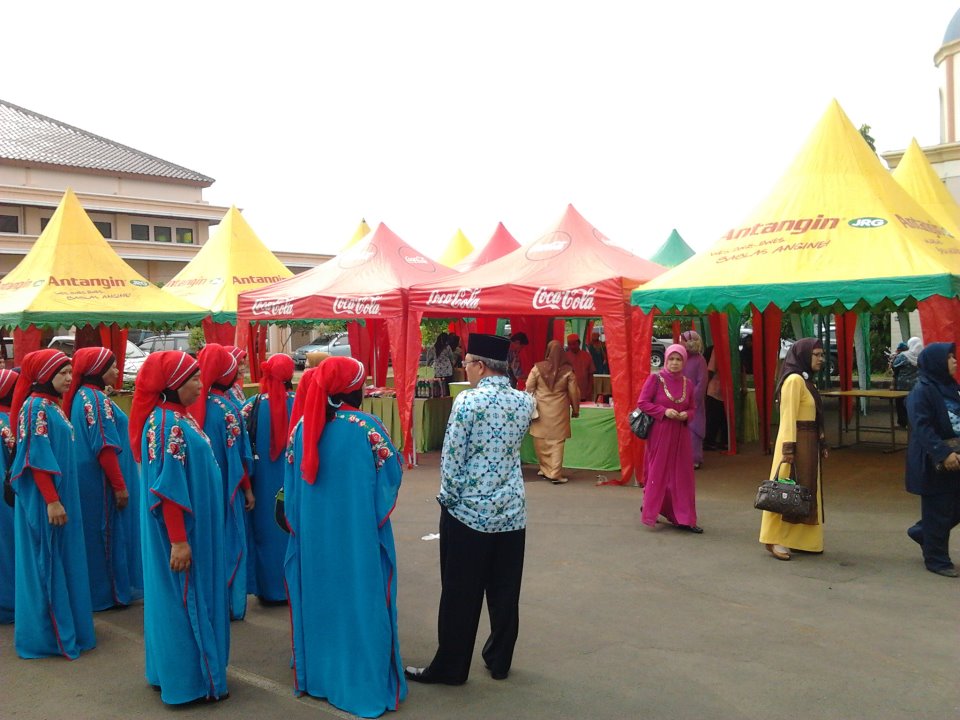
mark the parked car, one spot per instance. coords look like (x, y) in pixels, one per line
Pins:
(139, 335)
(336, 344)
(134, 357)
(168, 341)
(132, 362)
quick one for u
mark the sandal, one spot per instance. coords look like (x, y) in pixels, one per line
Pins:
(778, 551)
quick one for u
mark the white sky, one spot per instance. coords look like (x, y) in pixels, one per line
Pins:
(433, 116)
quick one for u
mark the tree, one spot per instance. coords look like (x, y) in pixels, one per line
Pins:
(865, 134)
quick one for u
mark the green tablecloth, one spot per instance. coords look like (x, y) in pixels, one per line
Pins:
(429, 420)
(592, 446)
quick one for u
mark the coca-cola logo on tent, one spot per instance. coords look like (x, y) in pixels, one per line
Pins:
(416, 259)
(273, 307)
(357, 255)
(576, 299)
(461, 298)
(361, 305)
(610, 243)
(549, 245)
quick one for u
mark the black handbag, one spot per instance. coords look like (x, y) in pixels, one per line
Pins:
(640, 423)
(9, 496)
(786, 498)
(278, 514)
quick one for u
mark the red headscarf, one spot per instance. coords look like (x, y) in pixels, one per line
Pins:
(277, 372)
(334, 376)
(165, 370)
(240, 355)
(300, 399)
(86, 361)
(8, 379)
(37, 367)
(217, 367)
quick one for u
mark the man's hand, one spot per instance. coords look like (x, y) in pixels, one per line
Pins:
(180, 556)
(952, 462)
(250, 499)
(56, 513)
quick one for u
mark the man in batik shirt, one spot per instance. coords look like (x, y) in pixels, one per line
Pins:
(482, 518)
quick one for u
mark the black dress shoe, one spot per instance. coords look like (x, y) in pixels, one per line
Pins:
(417, 674)
(695, 529)
(951, 572)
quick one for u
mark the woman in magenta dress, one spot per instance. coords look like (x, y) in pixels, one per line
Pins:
(668, 396)
(695, 370)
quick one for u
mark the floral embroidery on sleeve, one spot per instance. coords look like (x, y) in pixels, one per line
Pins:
(6, 436)
(88, 413)
(41, 427)
(108, 409)
(176, 447)
(378, 445)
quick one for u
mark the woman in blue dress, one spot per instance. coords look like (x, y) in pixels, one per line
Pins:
(186, 628)
(340, 487)
(221, 423)
(53, 614)
(267, 416)
(109, 481)
(8, 445)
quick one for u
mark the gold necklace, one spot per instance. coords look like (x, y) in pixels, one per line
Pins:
(683, 395)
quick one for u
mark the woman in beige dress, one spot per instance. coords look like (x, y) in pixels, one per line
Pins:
(553, 383)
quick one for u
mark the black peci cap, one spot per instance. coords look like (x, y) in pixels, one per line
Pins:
(494, 347)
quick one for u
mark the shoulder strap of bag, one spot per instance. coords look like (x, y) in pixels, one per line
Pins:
(252, 424)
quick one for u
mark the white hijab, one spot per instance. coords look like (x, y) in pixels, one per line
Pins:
(914, 346)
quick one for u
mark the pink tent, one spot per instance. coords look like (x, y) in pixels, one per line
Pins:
(368, 281)
(500, 243)
(571, 271)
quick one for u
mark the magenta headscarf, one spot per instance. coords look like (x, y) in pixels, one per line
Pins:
(674, 381)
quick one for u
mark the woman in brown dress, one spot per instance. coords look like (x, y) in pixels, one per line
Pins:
(554, 385)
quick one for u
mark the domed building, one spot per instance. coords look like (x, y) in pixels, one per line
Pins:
(945, 157)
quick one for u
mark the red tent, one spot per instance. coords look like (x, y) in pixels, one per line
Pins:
(367, 281)
(571, 271)
(500, 243)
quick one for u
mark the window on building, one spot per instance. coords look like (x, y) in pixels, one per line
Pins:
(43, 223)
(185, 235)
(139, 232)
(105, 228)
(9, 224)
(161, 234)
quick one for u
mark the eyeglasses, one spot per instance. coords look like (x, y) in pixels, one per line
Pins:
(470, 362)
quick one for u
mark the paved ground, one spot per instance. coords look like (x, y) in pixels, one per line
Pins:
(618, 621)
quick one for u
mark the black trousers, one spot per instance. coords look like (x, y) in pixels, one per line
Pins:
(474, 564)
(716, 423)
(939, 514)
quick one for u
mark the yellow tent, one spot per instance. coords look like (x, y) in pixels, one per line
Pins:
(72, 276)
(836, 232)
(231, 261)
(917, 176)
(457, 249)
(362, 231)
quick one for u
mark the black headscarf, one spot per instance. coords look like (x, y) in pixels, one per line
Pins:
(932, 365)
(799, 361)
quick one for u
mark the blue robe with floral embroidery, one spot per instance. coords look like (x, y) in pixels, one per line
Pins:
(53, 615)
(8, 446)
(186, 627)
(111, 536)
(341, 567)
(223, 427)
(266, 542)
